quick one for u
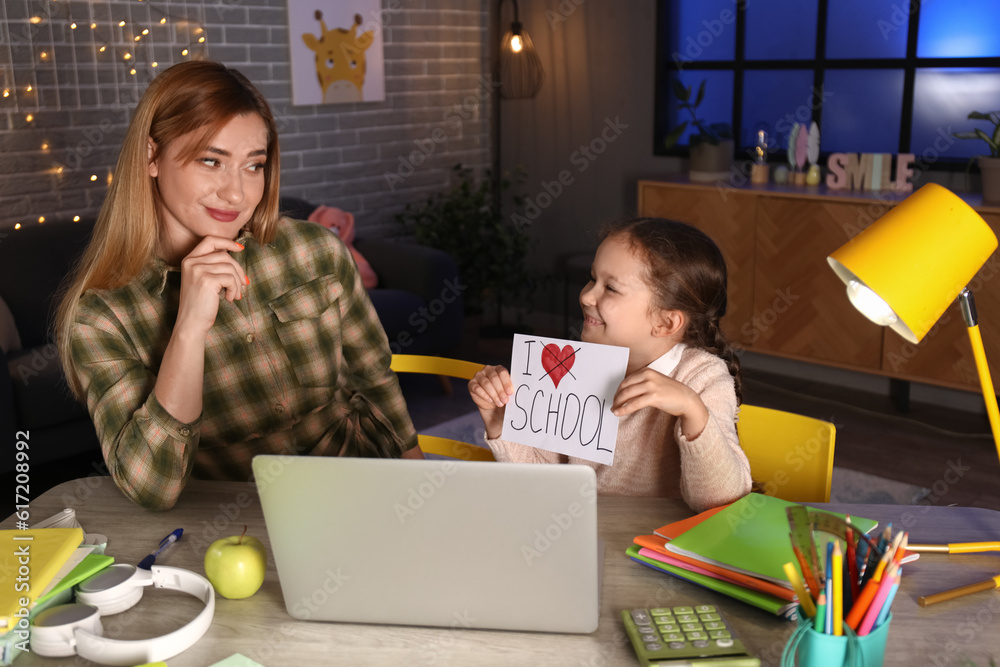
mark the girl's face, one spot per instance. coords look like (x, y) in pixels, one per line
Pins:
(216, 193)
(618, 304)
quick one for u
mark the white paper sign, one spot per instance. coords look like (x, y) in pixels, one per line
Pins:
(563, 391)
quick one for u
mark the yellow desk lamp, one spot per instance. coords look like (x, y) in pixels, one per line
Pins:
(904, 271)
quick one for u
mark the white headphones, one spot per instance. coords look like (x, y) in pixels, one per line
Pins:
(70, 629)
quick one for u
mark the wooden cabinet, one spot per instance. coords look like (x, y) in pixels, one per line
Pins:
(785, 300)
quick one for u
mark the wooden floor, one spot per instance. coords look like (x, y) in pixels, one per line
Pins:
(950, 452)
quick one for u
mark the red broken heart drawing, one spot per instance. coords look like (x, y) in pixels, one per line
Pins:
(557, 362)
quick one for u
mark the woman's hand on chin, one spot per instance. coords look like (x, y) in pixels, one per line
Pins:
(208, 271)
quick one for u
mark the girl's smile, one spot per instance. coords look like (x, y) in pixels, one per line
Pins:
(618, 307)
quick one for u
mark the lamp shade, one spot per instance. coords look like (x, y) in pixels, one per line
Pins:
(907, 267)
(521, 73)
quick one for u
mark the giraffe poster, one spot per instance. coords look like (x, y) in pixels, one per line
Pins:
(336, 51)
(563, 390)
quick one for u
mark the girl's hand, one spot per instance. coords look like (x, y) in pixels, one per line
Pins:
(206, 272)
(491, 389)
(649, 388)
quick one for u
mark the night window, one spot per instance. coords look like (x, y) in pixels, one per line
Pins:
(879, 76)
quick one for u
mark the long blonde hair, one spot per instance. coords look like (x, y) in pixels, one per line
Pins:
(193, 96)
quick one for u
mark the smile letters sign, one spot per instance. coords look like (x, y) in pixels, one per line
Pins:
(563, 391)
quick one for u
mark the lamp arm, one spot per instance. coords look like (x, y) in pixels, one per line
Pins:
(968, 305)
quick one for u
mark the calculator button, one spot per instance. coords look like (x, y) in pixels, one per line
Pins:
(710, 617)
(640, 617)
(673, 637)
(715, 625)
(719, 634)
(660, 611)
(654, 646)
(701, 643)
(683, 610)
(677, 645)
(723, 643)
(690, 627)
(697, 634)
(704, 609)
(687, 618)
(669, 627)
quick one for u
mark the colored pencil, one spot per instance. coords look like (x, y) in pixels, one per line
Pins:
(837, 571)
(819, 623)
(852, 561)
(807, 574)
(829, 588)
(888, 579)
(861, 604)
(884, 614)
(805, 599)
(986, 585)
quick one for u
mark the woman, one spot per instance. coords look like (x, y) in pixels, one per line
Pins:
(201, 328)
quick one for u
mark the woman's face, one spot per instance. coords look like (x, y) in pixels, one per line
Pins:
(216, 193)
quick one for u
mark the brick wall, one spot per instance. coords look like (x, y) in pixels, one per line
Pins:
(66, 102)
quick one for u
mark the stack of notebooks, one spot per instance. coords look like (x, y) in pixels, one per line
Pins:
(54, 560)
(738, 550)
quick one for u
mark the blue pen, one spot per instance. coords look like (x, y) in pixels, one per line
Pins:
(147, 562)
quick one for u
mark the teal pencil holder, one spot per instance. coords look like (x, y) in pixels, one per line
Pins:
(808, 648)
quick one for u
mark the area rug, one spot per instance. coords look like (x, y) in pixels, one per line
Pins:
(849, 486)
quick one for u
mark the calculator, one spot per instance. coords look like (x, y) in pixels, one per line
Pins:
(691, 635)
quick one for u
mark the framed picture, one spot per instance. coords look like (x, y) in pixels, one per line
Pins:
(336, 51)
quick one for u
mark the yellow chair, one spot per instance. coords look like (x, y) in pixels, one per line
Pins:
(440, 366)
(790, 455)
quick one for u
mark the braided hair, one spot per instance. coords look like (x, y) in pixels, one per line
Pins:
(685, 271)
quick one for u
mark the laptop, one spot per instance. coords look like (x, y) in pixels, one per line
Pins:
(455, 544)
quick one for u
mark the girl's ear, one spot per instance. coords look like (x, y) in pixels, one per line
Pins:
(667, 323)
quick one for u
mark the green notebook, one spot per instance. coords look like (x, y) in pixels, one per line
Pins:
(751, 536)
(89, 566)
(764, 601)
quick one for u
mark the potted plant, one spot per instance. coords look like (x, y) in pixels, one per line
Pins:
(712, 147)
(989, 165)
(467, 222)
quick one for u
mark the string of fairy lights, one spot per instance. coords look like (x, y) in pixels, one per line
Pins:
(90, 55)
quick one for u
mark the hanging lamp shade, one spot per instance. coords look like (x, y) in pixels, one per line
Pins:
(521, 73)
(905, 269)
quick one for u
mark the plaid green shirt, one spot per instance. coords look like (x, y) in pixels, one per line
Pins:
(300, 365)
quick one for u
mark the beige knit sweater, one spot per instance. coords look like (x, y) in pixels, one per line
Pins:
(652, 456)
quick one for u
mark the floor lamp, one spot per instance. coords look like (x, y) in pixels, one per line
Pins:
(903, 272)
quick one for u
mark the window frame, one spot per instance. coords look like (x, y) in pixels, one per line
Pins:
(819, 64)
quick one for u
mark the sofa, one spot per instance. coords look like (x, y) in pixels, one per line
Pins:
(418, 301)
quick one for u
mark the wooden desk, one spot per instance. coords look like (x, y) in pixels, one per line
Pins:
(260, 628)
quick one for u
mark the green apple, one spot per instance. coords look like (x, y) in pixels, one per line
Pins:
(236, 565)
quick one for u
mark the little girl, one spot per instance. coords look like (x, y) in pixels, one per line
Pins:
(657, 287)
